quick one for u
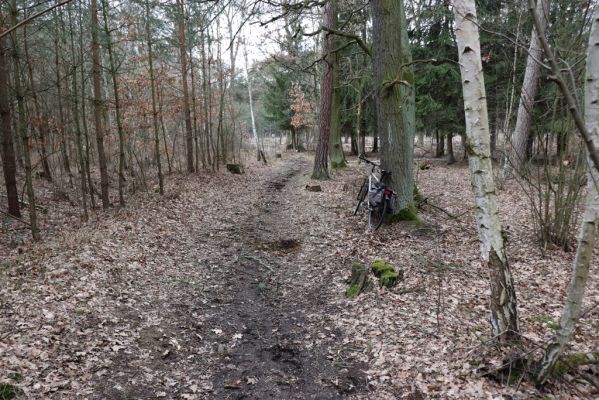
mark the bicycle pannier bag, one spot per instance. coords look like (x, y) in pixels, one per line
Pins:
(375, 196)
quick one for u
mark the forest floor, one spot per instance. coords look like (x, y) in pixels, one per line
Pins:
(232, 287)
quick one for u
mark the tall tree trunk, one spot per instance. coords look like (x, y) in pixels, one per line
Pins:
(395, 99)
(154, 106)
(117, 105)
(194, 109)
(84, 97)
(22, 127)
(588, 231)
(42, 120)
(75, 107)
(205, 103)
(504, 317)
(99, 104)
(186, 109)
(335, 145)
(62, 129)
(520, 136)
(9, 162)
(321, 168)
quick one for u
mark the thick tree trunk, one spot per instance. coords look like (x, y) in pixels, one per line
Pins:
(99, 104)
(519, 140)
(117, 105)
(186, 110)
(9, 162)
(154, 106)
(504, 317)
(395, 98)
(588, 231)
(321, 168)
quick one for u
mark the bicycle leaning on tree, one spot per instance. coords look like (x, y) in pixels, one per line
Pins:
(381, 199)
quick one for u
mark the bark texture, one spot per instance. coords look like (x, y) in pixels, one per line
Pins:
(186, 109)
(9, 161)
(519, 141)
(154, 102)
(99, 104)
(335, 144)
(588, 232)
(504, 317)
(395, 97)
(326, 97)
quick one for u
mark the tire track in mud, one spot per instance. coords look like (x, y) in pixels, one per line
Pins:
(281, 349)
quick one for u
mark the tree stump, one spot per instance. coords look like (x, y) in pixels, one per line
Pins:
(358, 282)
(388, 276)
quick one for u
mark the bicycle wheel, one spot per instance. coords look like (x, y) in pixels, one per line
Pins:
(361, 195)
(376, 215)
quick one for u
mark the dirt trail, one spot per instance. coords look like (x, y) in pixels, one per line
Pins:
(239, 308)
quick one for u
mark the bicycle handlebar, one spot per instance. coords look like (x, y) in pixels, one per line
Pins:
(374, 164)
(368, 161)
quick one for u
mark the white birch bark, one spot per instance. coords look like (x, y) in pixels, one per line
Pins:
(530, 87)
(588, 232)
(504, 319)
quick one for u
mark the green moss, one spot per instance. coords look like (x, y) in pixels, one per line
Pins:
(409, 214)
(7, 391)
(389, 278)
(353, 291)
(337, 165)
(379, 267)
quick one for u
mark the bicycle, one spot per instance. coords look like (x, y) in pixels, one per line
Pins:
(381, 199)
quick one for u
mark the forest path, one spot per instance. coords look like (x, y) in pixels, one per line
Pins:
(236, 308)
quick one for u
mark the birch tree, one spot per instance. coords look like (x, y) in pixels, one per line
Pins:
(504, 317)
(588, 231)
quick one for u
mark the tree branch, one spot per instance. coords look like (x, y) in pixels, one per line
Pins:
(32, 17)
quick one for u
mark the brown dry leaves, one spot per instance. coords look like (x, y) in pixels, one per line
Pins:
(120, 291)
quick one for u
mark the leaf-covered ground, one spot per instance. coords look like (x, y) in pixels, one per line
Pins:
(233, 287)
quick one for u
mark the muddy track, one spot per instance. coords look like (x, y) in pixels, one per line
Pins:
(268, 307)
(236, 307)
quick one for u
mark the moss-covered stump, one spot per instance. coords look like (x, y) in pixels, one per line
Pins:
(234, 168)
(386, 272)
(315, 188)
(409, 214)
(358, 282)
